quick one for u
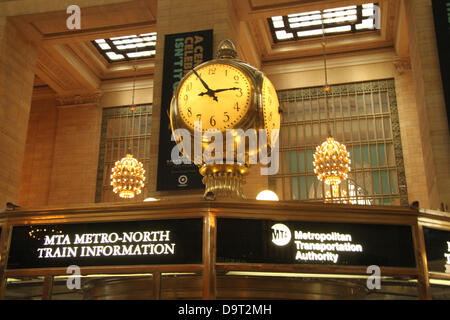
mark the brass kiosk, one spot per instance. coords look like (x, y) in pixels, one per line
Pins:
(197, 249)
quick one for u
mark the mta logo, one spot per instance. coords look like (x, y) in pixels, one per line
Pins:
(281, 235)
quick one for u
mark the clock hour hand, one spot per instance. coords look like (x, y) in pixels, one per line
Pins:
(209, 93)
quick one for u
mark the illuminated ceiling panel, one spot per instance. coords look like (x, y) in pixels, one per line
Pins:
(127, 48)
(335, 21)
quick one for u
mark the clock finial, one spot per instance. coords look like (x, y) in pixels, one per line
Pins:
(226, 50)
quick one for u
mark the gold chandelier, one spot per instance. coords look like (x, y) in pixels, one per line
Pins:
(331, 159)
(127, 178)
(331, 162)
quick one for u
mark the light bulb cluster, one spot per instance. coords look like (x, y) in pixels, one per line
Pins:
(338, 196)
(127, 177)
(39, 232)
(331, 162)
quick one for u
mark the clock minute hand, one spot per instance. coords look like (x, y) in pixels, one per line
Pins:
(208, 92)
(201, 80)
(220, 90)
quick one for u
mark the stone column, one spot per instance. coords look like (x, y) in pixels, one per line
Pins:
(76, 146)
(17, 61)
(433, 128)
(38, 158)
(417, 180)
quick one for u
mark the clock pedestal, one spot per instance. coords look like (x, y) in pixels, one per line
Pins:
(224, 180)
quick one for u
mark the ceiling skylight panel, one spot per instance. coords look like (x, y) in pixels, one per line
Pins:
(303, 14)
(335, 21)
(126, 48)
(309, 33)
(114, 56)
(283, 35)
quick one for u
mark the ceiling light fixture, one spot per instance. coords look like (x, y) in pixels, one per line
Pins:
(267, 195)
(128, 174)
(331, 159)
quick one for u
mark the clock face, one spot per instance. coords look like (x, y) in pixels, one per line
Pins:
(218, 95)
(270, 107)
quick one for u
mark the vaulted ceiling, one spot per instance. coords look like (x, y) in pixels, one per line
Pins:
(69, 63)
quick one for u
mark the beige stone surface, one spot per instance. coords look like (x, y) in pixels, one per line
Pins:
(417, 180)
(38, 161)
(17, 59)
(430, 102)
(75, 157)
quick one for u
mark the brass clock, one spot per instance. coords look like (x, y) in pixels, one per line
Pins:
(217, 94)
(224, 94)
(271, 108)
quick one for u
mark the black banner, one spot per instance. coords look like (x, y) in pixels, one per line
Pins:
(437, 246)
(182, 52)
(107, 244)
(299, 242)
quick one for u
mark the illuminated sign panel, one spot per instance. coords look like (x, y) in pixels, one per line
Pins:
(437, 246)
(106, 244)
(300, 242)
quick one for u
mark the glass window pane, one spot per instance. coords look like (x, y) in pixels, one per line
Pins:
(105, 287)
(390, 154)
(303, 188)
(188, 286)
(371, 129)
(376, 103)
(387, 128)
(292, 135)
(379, 128)
(384, 102)
(294, 188)
(24, 288)
(124, 129)
(352, 104)
(360, 104)
(361, 119)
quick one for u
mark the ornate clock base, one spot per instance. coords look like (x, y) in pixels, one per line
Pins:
(224, 180)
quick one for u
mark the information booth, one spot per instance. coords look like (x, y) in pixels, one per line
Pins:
(224, 249)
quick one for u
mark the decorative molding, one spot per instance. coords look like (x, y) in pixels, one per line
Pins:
(126, 85)
(43, 92)
(402, 64)
(335, 61)
(78, 99)
(398, 149)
